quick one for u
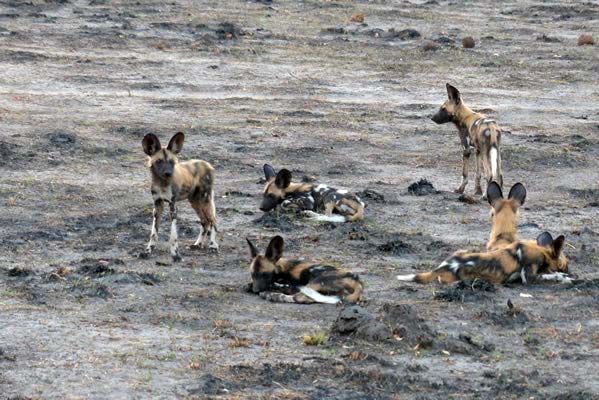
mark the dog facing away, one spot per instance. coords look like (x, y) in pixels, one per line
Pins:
(299, 281)
(524, 260)
(173, 181)
(336, 204)
(504, 214)
(476, 132)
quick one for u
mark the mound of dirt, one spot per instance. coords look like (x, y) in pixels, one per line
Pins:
(276, 220)
(422, 188)
(361, 323)
(369, 194)
(466, 291)
(405, 323)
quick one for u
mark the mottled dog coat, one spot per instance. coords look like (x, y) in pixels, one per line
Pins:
(476, 132)
(522, 260)
(299, 281)
(173, 181)
(311, 198)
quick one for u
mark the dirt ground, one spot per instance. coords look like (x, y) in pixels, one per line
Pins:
(299, 85)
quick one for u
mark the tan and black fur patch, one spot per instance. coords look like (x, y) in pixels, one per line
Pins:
(524, 260)
(478, 133)
(173, 181)
(299, 281)
(504, 214)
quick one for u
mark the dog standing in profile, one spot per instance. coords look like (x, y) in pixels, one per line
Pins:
(285, 280)
(173, 181)
(476, 132)
(338, 205)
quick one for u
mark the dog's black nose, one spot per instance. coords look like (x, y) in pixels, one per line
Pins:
(262, 209)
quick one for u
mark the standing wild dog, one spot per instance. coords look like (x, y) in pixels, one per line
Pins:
(476, 131)
(309, 198)
(173, 181)
(504, 214)
(298, 281)
(523, 260)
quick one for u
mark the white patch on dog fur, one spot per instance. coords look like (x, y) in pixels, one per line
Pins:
(559, 277)
(519, 254)
(199, 241)
(321, 187)
(342, 191)
(173, 237)
(493, 157)
(324, 218)
(406, 278)
(454, 266)
(523, 274)
(318, 297)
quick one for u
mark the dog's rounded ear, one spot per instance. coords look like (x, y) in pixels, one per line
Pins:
(453, 94)
(545, 239)
(269, 171)
(253, 250)
(274, 251)
(494, 193)
(518, 193)
(558, 245)
(150, 144)
(283, 179)
(176, 143)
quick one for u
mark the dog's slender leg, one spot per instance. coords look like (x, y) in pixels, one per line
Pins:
(198, 242)
(465, 160)
(213, 246)
(479, 170)
(277, 297)
(156, 214)
(173, 238)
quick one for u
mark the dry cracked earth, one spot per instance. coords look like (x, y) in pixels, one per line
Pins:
(299, 85)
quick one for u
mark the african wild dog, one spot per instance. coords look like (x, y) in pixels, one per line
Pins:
(525, 260)
(173, 181)
(298, 281)
(309, 198)
(476, 131)
(504, 214)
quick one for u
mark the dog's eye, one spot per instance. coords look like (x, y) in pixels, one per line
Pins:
(159, 161)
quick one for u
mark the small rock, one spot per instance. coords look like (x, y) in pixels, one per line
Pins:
(468, 42)
(585, 39)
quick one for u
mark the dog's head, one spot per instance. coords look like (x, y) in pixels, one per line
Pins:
(276, 184)
(264, 267)
(504, 212)
(449, 108)
(161, 160)
(554, 258)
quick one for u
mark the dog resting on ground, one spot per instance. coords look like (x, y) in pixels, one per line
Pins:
(476, 132)
(504, 214)
(173, 181)
(299, 281)
(522, 260)
(337, 205)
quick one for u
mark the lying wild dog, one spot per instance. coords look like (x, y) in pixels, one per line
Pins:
(525, 260)
(173, 181)
(504, 214)
(309, 198)
(298, 281)
(476, 131)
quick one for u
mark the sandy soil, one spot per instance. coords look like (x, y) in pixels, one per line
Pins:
(298, 85)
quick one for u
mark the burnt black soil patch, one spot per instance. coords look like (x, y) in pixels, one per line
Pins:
(5, 356)
(220, 31)
(589, 194)
(19, 272)
(98, 267)
(396, 246)
(466, 291)
(370, 195)
(422, 188)
(62, 139)
(277, 220)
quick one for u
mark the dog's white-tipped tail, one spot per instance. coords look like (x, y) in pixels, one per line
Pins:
(493, 158)
(319, 298)
(325, 218)
(406, 278)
